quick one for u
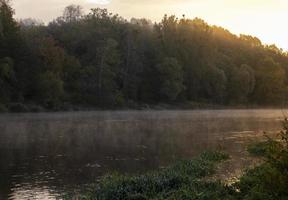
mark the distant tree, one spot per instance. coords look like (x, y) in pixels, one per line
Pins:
(195, 51)
(107, 69)
(71, 13)
(98, 13)
(241, 84)
(99, 79)
(10, 52)
(48, 84)
(71, 77)
(101, 59)
(6, 68)
(170, 75)
(133, 65)
(253, 41)
(215, 85)
(7, 76)
(142, 22)
(9, 30)
(28, 22)
(50, 90)
(270, 85)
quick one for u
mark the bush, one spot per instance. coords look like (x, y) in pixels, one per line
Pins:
(180, 180)
(258, 149)
(35, 108)
(268, 181)
(3, 108)
(185, 179)
(18, 107)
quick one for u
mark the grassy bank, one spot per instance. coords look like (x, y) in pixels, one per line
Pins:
(187, 179)
(184, 180)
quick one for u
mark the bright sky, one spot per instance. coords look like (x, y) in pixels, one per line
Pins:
(266, 19)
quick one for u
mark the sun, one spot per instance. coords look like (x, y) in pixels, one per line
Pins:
(101, 2)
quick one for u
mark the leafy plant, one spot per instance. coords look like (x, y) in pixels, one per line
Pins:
(269, 180)
(180, 181)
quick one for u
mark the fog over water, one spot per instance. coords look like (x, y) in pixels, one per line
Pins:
(48, 154)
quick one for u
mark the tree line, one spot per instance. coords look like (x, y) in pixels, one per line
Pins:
(102, 60)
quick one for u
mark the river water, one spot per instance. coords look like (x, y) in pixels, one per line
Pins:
(45, 155)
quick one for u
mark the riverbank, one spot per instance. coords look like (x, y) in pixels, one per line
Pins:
(190, 179)
(33, 108)
(193, 179)
(183, 180)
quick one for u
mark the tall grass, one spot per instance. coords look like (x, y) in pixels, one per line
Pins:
(185, 180)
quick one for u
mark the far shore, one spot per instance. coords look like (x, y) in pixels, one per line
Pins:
(186, 106)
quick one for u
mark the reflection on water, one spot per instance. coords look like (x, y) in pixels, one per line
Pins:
(45, 155)
(33, 193)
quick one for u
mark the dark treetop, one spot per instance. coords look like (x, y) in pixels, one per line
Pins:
(102, 60)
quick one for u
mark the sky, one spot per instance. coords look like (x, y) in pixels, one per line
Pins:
(265, 19)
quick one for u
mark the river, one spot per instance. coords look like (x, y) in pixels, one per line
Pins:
(45, 155)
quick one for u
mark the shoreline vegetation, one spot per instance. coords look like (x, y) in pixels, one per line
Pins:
(100, 60)
(190, 179)
(32, 108)
(170, 183)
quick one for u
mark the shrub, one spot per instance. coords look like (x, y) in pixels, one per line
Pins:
(18, 107)
(35, 108)
(184, 180)
(268, 181)
(3, 108)
(258, 149)
(180, 180)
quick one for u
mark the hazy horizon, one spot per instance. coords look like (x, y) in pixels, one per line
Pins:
(257, 18)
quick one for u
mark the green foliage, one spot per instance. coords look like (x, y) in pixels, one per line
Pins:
(170, 75)
(9, 29)
(241, 84)
(186, 179)
(181, 180)
(9, 38)
(18, 107)
(270, 81)
(6, 79)
(259, 149)
(6, 68)
(216, 85)
(3, 108)
(50, 90)
(100, 59)
(269, 180)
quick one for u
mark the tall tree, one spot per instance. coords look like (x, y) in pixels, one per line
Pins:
(270, 85)
(72, 13)
(170, 75)
(9, 45)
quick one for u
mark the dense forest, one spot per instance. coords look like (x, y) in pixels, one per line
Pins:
(104, 61)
